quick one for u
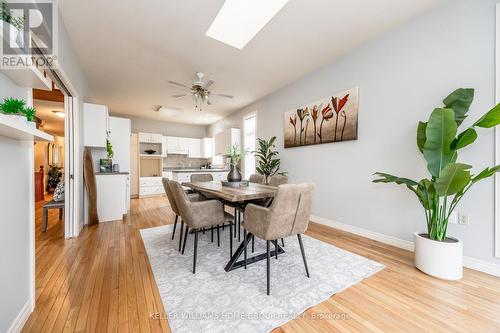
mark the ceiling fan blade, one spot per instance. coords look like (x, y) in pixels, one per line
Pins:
(179, 95)
(209, 83)
(225, 95)
(178, 84)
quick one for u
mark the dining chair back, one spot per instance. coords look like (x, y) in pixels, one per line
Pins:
(256, 178)
(278, 180)
(201, 177)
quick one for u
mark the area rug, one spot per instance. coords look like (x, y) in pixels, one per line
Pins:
(213, 300)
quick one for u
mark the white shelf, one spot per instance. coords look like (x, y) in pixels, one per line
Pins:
(150, 155)
(29, 77)
(15, 129)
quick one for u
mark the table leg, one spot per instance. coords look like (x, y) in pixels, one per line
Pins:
(235, 264)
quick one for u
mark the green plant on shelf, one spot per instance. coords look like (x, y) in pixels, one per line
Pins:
(6, 16)
(13, 106)
(30, 113)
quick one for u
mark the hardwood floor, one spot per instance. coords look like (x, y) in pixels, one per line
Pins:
(102, 281)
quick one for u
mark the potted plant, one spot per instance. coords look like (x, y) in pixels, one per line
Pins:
(53, 177)
(235, 155)
(13, 107)
(268, 164)
(15, 24)
(30, 113)
(437, 139)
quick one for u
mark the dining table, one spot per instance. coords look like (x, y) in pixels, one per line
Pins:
(238, 196)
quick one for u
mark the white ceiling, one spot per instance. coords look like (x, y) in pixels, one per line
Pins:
(130, 49)
(51, 123)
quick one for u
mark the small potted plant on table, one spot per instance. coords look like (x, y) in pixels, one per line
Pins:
(235, 155)
(437, 139)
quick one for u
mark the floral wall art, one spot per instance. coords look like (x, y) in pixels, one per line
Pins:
(331, 119)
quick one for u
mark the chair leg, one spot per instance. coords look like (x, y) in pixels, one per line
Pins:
(203, 230)
(230, 239)
(195, 249)
(175, 225)
(218, 236)
(276, 248)
(268, 267)
(303, 254)
(212, 236)
(253, 244)
(180, 238)
(186, 232)
(245, 244)
(235, 220)
(283, 242)
(239, 227)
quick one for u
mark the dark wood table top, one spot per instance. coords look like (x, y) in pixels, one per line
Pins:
(234, 194)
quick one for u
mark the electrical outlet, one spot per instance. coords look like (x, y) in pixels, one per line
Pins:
(453, 218)
(463, 219)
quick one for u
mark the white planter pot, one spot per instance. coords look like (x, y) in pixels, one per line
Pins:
(31, 124)
(443, 260)
(15, 38)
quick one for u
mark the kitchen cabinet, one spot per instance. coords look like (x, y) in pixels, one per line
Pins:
(207, 147)
(164, 150)
(112, 196)
(149, 186)
(95, 125)
(194, 148)
(150, 138)
(177, 145)
(224, 140)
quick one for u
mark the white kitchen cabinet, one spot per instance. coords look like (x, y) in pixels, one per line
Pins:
(119, 136)
(225, 139)
(164, 150)
(207, 147)
(194, 148)
(112, 196)
(95, 125)
(150, 138)
(177, 145)
(149, 186)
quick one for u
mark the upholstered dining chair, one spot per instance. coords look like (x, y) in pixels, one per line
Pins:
(201, 177)
(171, 200)
(287, 216)
(278, 180)
(256, 178)
(198, 215)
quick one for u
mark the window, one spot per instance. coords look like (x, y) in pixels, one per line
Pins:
(249, 137)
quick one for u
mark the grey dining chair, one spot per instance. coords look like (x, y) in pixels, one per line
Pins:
(198, 215)
(173, 205)
(278, 180)
(287, 216)
(256, 178)
(201, 177)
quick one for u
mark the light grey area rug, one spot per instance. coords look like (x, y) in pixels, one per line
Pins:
(213, 300)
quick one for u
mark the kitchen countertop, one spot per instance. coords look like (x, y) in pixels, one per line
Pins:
(110, 173)
(195, 170)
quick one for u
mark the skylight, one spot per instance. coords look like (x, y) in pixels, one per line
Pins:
(239, 21)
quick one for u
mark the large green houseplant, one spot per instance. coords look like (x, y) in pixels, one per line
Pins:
(439, 141)
(268, 163)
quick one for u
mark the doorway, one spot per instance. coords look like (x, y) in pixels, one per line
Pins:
(49, 162)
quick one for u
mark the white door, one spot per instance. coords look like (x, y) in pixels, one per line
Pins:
(134, 165)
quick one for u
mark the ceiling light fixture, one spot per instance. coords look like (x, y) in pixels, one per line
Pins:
(59, 114)
(238, 21)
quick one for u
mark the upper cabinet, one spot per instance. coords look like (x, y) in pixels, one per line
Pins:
(95, 125)
(194, 148)
(207, 147)
(176, 145)
(150, 138)
(225, 139)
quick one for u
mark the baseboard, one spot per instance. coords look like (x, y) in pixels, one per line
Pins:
(397, 242)
(472, 263)
(21, 318)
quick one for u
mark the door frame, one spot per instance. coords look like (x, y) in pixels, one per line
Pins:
(497, 132)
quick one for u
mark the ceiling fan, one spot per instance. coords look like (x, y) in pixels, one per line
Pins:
(198, 90)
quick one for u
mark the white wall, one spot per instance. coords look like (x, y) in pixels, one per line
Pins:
(167, 128)
(15, 167)
(402, 76)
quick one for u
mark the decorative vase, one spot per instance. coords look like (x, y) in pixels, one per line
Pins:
(234, 174)
(441, 259)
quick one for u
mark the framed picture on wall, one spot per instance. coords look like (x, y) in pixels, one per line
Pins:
(333, 118)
